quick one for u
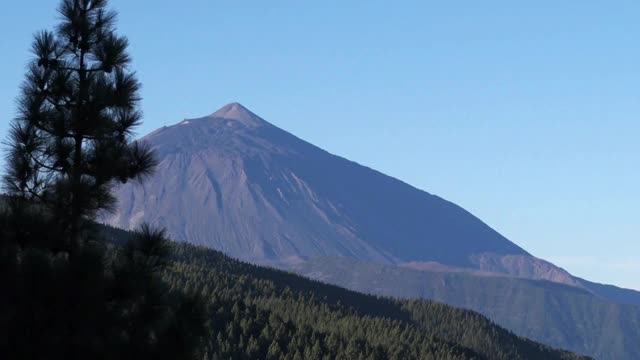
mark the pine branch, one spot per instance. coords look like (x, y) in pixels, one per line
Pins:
(52, 169)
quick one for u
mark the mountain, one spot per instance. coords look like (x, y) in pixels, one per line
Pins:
(256, 192)
(262, 313)
(234, 182)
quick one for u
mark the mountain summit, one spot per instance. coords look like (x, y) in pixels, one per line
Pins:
(235, 111)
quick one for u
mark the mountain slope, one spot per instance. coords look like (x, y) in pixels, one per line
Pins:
(264, 313)
(556, 314)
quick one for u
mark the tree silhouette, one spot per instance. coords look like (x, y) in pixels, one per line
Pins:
(77, 110)
(66, 293)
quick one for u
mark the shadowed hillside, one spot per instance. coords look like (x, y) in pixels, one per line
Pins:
(258, 312)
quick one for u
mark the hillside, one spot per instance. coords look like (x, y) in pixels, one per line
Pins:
(555, 314)
(259, 312)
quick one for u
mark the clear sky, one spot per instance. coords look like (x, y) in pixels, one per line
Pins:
(527, 113)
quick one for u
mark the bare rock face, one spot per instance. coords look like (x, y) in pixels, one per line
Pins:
(523, 266)
(228, 181)
(236, 183)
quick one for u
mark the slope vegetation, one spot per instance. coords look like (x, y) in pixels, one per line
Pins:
(259, 312)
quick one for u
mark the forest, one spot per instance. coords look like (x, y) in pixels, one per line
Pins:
(264, 313)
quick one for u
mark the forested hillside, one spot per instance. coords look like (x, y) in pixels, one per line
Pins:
(258, 312)
(555, 314)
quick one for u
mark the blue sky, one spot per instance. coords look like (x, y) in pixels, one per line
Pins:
(525, 113)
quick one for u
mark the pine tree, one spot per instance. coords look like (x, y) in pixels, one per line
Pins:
(274, 351)
(78, 108)
(66, 294)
